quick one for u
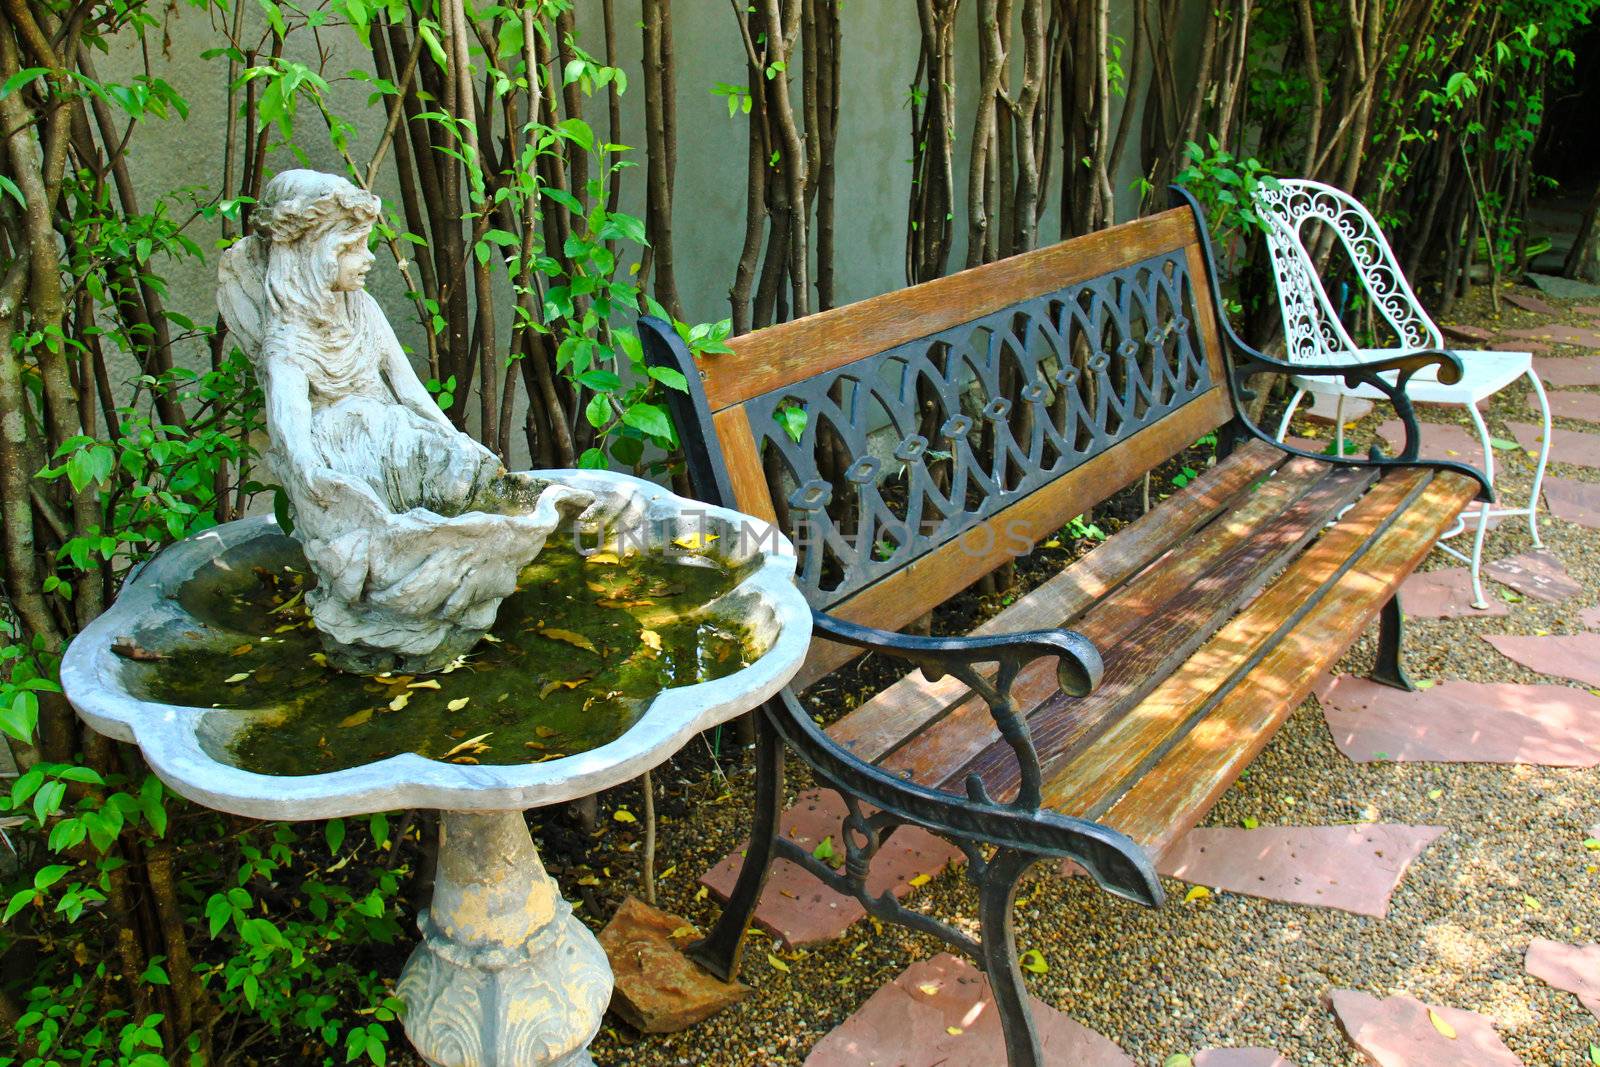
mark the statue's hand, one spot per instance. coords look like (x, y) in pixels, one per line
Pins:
(334, 493)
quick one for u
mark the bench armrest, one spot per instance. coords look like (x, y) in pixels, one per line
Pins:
(1247, 360)
(1078, 670)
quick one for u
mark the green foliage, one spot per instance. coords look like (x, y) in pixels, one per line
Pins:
(1226, 186)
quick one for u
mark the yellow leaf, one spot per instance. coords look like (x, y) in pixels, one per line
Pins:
(664, 875)
(544, 731)
(921, 879)
(777, 963)
(954, 1031)
(602, 557)
(1441, 1025)
(1052, 543)
(235, 679)
(356, 719)
(577, 640)
(700, 894)
(550, 687)
(928, 989)
(683, 931)
(623, 815)
(242, 649)
(399, 702)
(458, 703)
(431, 683)
(651, 639)
(471, 742)
(695, 541)
(1033, 960)
(319, 659)
(1197, 892)
(1531, 903)
(1425, 683)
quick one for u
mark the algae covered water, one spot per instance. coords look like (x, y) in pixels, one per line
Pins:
(575, 656)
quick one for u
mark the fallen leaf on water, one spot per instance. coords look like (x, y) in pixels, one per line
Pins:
(319, 659)
(550, 687)
(1197, 892)
(651, 639)
(462, 759)
(356, 718)
(1441, 1025)
(695, 541)
(463, 746)
(491, 638)
(544, 731)
(602, 557)
(235, 679)
(777, 963)
(431, 683)
(242, 649)
(286, 627)
(623, 815)
(128, 648)
(458, 703)
(577, 640)
(399, 702)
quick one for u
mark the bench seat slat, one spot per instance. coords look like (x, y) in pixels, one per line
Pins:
(969, 730)
(1176, 792)
(879, 725)
(1171, 631)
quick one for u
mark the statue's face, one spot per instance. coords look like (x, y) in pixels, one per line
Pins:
(355, 259)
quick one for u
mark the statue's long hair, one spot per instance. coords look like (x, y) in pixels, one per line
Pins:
(286, 270)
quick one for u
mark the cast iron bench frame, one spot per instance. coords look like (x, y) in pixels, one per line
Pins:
(1101, 285)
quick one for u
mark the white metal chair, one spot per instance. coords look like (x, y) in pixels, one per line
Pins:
(1291, 214)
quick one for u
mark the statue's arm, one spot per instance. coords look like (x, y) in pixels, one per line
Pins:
(398, 372)
(288, 409)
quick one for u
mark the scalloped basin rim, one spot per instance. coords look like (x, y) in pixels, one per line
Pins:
(169, 735)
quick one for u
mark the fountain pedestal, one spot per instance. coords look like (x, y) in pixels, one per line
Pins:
(506, 975)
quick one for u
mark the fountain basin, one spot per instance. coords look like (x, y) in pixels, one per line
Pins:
(183, 743)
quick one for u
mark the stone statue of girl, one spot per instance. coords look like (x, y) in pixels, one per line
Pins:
(415, 531)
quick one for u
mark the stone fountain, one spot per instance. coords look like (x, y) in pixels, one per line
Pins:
(419, 597)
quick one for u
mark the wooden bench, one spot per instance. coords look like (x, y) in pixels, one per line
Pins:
(951, 426)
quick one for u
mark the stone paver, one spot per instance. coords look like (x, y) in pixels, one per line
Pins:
(1585, 406)
(1465, 332)
(939, 1011)
(1575, 656)
(1590, 617)
(799, 909)
(1562, 288)
(1439, 441)
(1566, 446)
(659, 990)
(1565, 370)
(1352, 868)
(1560, 333)
(1584, 309)
(1240, 1057)
(1531, 303)
(1538, 574)
(1573, 501)
(1537, 348)
(1402, 1031)
(1574, 968)
(1462, 722)
(1445, 594)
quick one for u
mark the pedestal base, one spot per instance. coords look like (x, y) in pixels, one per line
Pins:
(505, 976)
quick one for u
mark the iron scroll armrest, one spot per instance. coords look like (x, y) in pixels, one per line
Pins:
(1248, 360)
(1078, 671)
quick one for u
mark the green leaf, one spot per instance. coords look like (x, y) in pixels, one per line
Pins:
(578, 131)
(1034, 962)
(672, 379)
(1250, 822)
(1504, 445)
(45, 877)
(649, 419)
(593, 460)
(20, 900)
(597, 411)
(333, 830)
(600, 380)
(793, 420)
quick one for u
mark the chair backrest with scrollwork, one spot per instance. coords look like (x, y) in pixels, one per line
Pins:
(1293, 213)
(914, 441)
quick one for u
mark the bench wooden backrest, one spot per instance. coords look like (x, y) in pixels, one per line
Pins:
(949, 426)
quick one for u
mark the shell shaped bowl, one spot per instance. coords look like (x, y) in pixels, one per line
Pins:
(178, 741)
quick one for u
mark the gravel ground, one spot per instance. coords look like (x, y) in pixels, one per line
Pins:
(1230, 970)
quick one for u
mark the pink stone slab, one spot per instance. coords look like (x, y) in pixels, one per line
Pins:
(1590, 617)
(1397, 1032)
(1574, 968)
(1240, 1057)
(1439, 441)
(1584, 406)
(1566, 370)
(1575, 656)
(797, 908)
(1352, 868)
(1465, 332)
(1538, 574)
(1324, 408)
(1573, 501)
(1445, 594)
(1462, 722)
(1516, 345)
(1531, 303)
(1566, 446)
(1584, 309)
(1560, 333)
(907, 1023)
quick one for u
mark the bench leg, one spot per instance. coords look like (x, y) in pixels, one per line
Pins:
(1391, 632)
(720, 950)
(997, 890)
